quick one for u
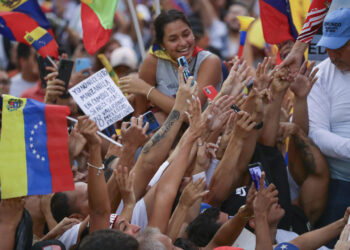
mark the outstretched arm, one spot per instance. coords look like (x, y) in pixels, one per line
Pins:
(225, 175)
(319, 237)
(99, 206)
(192, 192)
(262, 204)
(169, 183)
(156, 150)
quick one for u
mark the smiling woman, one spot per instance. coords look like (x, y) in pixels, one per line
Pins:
(158, 73)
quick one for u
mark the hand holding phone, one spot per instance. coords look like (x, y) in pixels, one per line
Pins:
(210, 92)
(64, 73)
(183, 63)
(255, 170)
(237, 109)
(153, 124)
(43, 63)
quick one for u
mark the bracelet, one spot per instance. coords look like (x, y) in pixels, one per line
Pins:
(149, 92)
(245, 218)
(95, 167)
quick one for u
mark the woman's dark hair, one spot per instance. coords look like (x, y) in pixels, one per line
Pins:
(167, 17)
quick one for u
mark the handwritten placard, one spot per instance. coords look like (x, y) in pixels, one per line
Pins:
(101, 99)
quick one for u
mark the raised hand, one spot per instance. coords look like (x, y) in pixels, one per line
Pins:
(219, 112)
(185, 91)
(263, 76)
(205, 152)
(250, 199)
(255, 101)
(88, 129)
(54, 89)
(76, 143)
(243, 125)
(114, 149)
(286, 129)
(343, 243)
(197, 123)
(280, 80)
(237, 79)
(304, 80)
(294, 58)
(192, 192)
(264, 197)
(125, 183)
(134, 133)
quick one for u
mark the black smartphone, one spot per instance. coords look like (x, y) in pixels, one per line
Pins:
(43, 63)
(235, 108)
(64, 73)
(152, 121)
(255, 170)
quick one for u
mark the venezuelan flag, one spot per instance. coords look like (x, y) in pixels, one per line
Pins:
(29, 32)
(33, 148)
(24, 21)
(28, 7)
(277, 21)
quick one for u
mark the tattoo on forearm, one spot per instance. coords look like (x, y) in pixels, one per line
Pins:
(303, 146)
(161, 133)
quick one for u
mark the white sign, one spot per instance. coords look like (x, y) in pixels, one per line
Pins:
(100, 98)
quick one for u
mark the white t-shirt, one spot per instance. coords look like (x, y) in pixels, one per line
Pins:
(329, 118)
(287, 236)
(19, 85)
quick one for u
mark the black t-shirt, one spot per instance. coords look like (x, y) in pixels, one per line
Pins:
(276, 172)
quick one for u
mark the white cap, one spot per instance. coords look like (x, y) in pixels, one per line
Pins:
(124, 56)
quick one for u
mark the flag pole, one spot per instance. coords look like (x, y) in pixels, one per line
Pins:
(98, 132)
(157, 7)
(137, 29)
(52, 62)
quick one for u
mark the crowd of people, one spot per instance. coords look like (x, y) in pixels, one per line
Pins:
(187, 185)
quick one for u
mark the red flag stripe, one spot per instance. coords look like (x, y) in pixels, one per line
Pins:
(62, 176)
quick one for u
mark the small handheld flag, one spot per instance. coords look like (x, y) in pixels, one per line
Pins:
(24, 21)
(34, 155)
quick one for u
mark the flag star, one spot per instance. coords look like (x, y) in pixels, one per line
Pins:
(43, 158)
(36, 126)
(31, 145)
(284, 247)
(32, 132)
(34, 151)
(38, 156)
(31, 138)
(40, 123)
